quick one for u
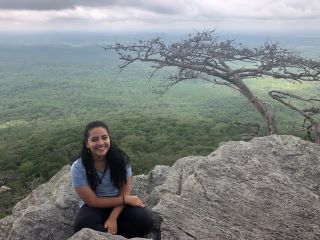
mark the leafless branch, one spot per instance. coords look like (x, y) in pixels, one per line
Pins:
(314, 126)
(223, 62)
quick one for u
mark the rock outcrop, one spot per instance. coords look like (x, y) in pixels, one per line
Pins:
(46, 213)
(88, 234)
(267, 188)
(4, 189)
(264, 189)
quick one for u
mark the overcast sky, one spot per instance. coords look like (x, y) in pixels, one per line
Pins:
(127, 15)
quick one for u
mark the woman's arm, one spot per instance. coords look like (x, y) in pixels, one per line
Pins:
(125, 192)
(111, 223)
(92, 200)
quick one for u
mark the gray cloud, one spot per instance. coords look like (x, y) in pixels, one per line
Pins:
(207, 8)
(159, 13)
(51, 4)
(163, 7)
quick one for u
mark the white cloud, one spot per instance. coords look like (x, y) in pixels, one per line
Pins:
(162, 14)
(259, 9)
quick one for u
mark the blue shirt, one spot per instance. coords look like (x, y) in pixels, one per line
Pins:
(104, 189)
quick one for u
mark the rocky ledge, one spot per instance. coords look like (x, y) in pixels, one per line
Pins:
(267, 188)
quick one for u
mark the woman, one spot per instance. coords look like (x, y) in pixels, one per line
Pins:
(102, 179)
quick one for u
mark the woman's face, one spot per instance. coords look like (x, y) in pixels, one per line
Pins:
(98, 142)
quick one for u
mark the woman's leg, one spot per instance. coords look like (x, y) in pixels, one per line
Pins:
(90, 217)
(134, 222)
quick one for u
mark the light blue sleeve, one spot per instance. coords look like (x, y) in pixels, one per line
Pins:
(129, 170)
(78, 174)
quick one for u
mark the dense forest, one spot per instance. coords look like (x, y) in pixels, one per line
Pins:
(50, 90)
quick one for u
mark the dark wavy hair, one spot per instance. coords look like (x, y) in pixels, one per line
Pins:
(116, 159)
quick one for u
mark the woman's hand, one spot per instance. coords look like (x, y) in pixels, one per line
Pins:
(133, 201)
(111, 226)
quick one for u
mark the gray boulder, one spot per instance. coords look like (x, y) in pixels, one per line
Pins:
(145, 186)
(89, 234)
(264, 189)
(46, 213)
(4, 189)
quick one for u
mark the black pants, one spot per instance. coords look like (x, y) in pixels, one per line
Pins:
(132, 222)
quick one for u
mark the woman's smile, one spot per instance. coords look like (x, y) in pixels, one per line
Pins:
(102, 148)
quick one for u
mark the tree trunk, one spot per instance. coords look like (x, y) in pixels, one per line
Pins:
(316, 128)
(258, 104)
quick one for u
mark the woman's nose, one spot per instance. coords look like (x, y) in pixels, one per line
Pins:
(100, 141)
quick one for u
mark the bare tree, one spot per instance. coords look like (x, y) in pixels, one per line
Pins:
(313, 128)
(204, 56)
